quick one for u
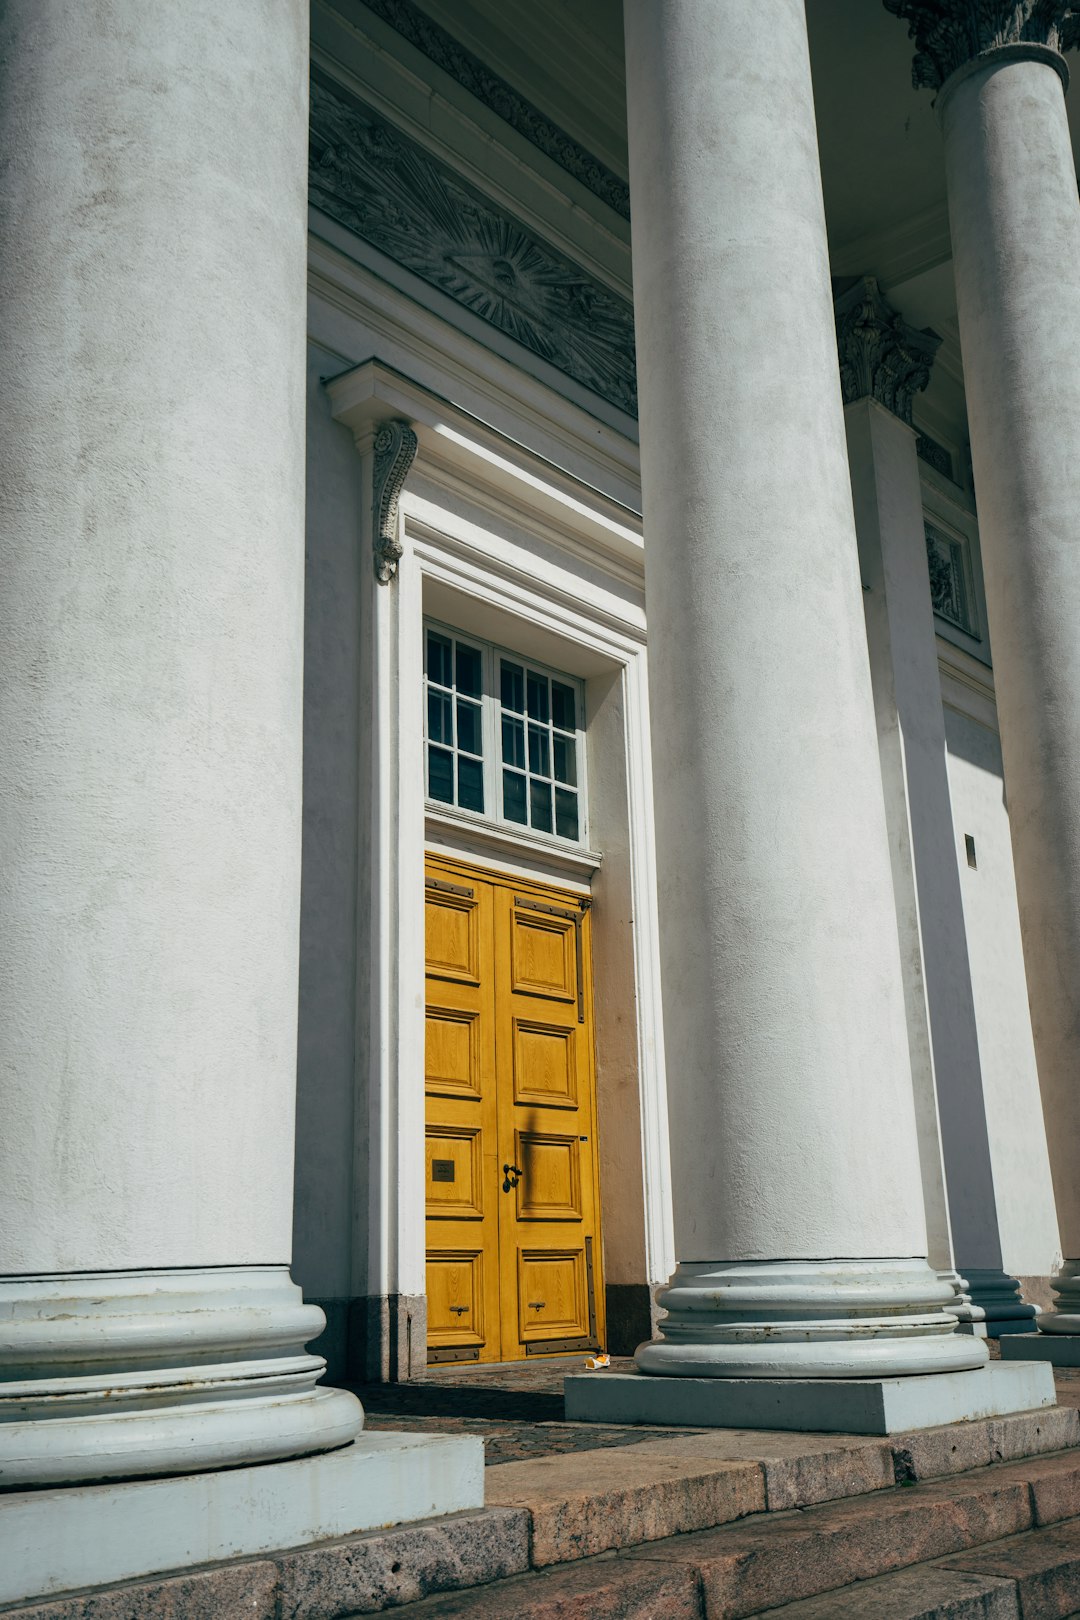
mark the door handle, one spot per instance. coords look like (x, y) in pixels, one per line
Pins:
(512, 1174)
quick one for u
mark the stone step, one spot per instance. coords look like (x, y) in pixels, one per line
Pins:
(1034, 1576)
(596, 1501)
(770, 1561)
(739, 1513)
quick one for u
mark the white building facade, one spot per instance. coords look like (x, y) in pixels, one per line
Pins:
(615, 849)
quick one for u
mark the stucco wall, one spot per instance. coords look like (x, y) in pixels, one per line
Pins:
(1027, 1220)
(326, 1066)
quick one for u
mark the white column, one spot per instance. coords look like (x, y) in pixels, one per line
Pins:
(151, 535)
(1015, 223)
(798, 1217)
(883, 364)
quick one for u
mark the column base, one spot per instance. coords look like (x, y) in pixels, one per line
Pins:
(997, 1295)
(807, 1319)
(1064, 1319)
(107, 1375)
(834, 1405)
(970, 1318)
(55, 1541)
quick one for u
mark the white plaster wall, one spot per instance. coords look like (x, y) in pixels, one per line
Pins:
(326, 1044)
(1025, 1203)
(151, 463)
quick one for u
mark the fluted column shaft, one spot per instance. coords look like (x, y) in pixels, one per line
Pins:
(1015, 223)
(799, 1226)
(152, 266)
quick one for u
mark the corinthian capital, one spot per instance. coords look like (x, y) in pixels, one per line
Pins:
(949, 33)
(881, 357)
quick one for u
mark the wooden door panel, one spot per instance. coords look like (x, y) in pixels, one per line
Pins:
(455, 1189)
(552, 1295)
(452, 933)
(545, 1063)
(543, 955)
(455, 1297)
(550, 1185)
(452, 1051)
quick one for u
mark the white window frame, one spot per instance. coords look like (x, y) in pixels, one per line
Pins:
(493, 763)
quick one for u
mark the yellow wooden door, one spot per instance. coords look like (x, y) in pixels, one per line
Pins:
(514, 1263)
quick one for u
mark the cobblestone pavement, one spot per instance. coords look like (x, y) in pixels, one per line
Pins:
(516, 1409)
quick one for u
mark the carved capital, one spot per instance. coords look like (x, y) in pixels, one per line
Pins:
(950, 33)
(395, 450)
(881, 357)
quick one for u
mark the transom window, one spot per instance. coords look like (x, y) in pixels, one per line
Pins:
(504, 736)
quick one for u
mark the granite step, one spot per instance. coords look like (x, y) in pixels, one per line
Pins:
(833, 1553)
(1034, 1576)
(743, 1518)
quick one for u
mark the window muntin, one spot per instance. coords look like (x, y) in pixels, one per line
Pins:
(539, 749)
(503, 736)
(454, 720)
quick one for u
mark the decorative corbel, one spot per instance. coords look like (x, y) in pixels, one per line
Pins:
(395, 449)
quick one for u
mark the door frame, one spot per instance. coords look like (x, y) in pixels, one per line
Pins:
(551, 590)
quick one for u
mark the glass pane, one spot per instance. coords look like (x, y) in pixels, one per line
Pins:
(513, 687)
(514, 797)
(470, 781)
(440, 775)
(566, 816)
(469, 735)
(513, 738)
(438, 659)
(540, 806)
(563, 706)
(565, 759)
(469, 671)
(539, 756)
(538, 696)
(439, 718)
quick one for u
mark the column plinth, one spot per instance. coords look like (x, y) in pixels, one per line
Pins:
(798, 1221)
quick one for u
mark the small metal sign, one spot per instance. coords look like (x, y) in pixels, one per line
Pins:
(442, 1170)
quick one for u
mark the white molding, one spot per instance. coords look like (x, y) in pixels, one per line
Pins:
(431, 356)
(515, 535)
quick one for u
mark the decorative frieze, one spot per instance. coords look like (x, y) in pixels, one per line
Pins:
(935, 455)
(949, 33)
(374, 180)
(881, 356)
(478, 79)
(395, 451)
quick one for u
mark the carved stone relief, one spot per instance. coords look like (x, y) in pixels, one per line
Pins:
(375, 181)
(948, 33)
(951, 589)
(880, 355)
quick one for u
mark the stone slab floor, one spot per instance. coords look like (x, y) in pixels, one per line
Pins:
(972, 1521)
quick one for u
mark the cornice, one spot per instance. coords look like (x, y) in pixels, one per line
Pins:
(950, 34)
(881, 356)
(440, 47)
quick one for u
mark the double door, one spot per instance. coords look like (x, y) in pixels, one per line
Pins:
(513, 1237)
